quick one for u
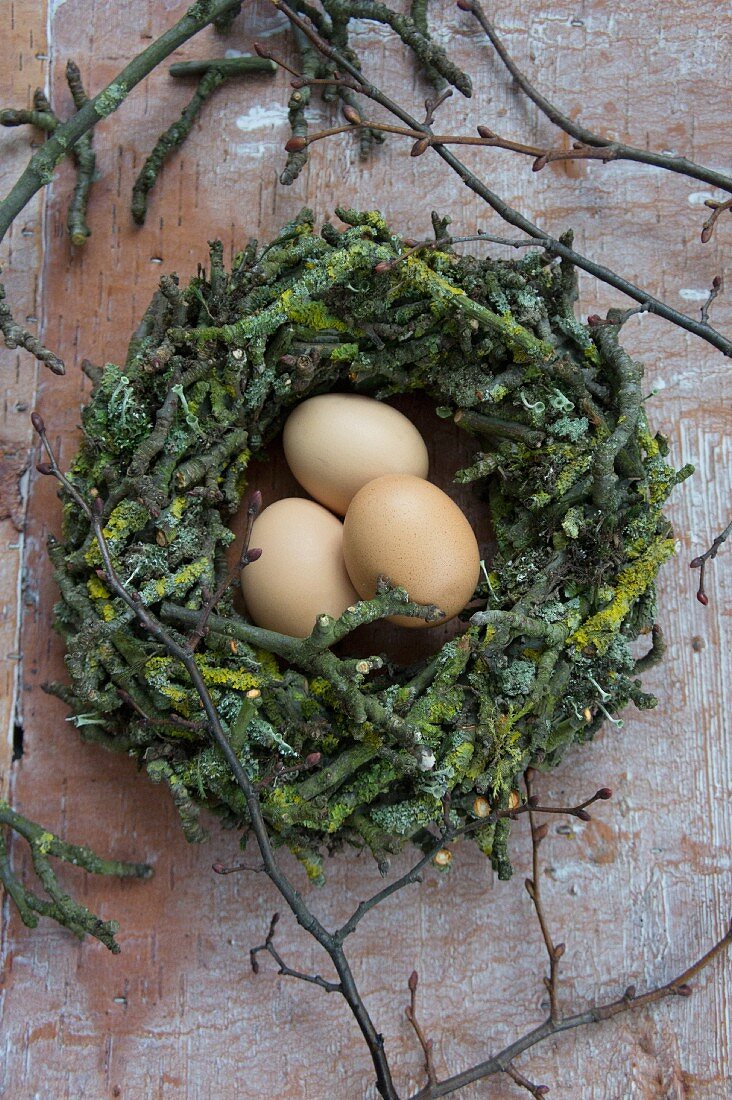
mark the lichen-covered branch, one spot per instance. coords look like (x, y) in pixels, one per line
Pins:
(16, 336)
(57, 904)
(85, 161)
(168, 142)
(545, 659)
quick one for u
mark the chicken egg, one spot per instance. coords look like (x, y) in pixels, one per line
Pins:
(337, 442)
(411, 532)
(301, 573)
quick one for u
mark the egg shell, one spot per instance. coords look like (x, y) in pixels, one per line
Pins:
(336, 443)
(301, 573)
(411, 532)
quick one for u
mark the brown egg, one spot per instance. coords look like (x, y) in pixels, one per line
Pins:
(411, 532)
(337, 442)
(301, 573)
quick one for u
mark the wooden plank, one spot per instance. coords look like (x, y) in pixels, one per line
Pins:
(639, 891)
(24, 69)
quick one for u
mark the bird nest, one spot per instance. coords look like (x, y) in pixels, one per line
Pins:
(361, 750)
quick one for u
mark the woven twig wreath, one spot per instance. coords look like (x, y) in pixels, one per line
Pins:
(573, 481)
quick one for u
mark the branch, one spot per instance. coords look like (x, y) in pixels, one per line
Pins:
(284, 969)
(677, 987)
(501, 207)
(212, 75)
(700, 562)
(59, 905)
(182, 652)
(170, 140)
(229, 66)
(487, 138)
(607, 149)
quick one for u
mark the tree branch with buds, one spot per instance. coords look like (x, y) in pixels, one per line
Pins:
(701, 561)
(425, 140)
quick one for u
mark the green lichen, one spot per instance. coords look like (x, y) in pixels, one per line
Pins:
(600, 630)
(109, 100)
(565, 465)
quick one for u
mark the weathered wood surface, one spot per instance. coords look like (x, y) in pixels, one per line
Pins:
(636, 893)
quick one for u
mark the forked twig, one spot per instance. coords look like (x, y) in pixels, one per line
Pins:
(700, 562)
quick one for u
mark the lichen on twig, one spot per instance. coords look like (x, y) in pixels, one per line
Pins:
(58, 905)
(577, 511)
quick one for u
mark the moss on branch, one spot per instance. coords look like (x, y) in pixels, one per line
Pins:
(57, 904)
(572, 479)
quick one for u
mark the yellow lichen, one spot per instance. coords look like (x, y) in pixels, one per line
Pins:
(632, 582)
(228, 677)
(309, 312)
(100, 596)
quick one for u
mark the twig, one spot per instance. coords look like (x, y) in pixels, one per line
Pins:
(42, 120)
(83, 154)
(170, 140)
(18, 337)
(229, 66)
(515, 1075)
(700, 562)
(246, 557)
(501, 207)
(446, 836)
(717, 208)
(411, 1013)
(715, 290)
(608, 150)
(533, 887)
(222, 869)
(58, 905)
(174, 720)
(284, 969)
(212, 74)
(487, 138)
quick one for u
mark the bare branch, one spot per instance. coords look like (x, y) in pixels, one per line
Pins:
(501, 207)
(498, 1063)
(607, 149)
(411, 1013)
(284, 969)
(700, 562)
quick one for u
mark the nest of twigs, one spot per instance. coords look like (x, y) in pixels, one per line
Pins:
(347, 750)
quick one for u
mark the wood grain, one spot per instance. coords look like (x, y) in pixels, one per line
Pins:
(636, 893)
(23, 70)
